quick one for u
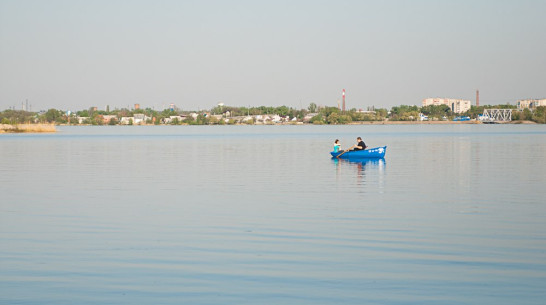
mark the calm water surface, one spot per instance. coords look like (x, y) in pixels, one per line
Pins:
(261, 215)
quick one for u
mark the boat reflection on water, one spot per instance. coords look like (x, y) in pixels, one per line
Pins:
(361, 163)
(366, 170)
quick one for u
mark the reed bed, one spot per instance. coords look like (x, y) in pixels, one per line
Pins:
(27, 128)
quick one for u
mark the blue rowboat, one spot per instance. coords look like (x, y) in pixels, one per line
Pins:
(377, 152)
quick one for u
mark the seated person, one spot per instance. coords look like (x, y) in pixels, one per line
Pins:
(360, 145)
(337, 146)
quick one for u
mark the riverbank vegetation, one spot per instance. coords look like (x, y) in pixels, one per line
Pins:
(17, 128)
(222, 115)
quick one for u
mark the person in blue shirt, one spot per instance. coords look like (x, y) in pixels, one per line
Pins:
(337, 146)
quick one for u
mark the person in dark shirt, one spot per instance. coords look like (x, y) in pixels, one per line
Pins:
(360, 145)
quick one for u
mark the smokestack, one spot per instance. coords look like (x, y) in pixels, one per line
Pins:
(477, 98)
(343, 100)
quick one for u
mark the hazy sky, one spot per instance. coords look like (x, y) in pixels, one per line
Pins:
(75, 54)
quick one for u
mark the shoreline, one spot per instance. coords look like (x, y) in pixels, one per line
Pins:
(51, 128)
(351, 123)
(433, 122)
(27, 128)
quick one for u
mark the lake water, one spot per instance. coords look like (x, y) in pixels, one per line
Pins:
(454, 214)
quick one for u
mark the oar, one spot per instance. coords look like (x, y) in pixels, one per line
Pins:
(342, 153)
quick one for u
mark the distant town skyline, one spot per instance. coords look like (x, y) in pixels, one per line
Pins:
(195, 54)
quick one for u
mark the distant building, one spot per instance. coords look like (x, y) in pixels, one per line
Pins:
(456, 105)
(309, 116)
(423, 117)
(366, 111)
(174, 118)
(126, 120)
(82, 119)
(247, 119)
(106, 118)
(531, 104)
(276, 118)
(140, 118)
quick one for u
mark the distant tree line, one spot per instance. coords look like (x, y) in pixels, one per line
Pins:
(313, 114)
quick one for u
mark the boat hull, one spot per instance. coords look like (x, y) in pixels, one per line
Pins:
(377, 152)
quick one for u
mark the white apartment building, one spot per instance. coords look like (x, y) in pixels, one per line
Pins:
(531, 104)
(456, 105)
